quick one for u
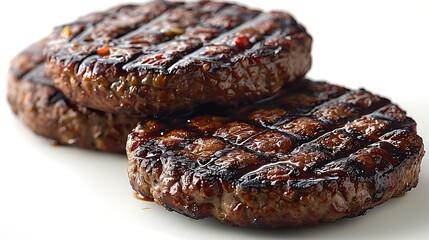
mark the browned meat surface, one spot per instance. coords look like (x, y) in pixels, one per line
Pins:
(48, 113)
(164, 57)
(315, 152)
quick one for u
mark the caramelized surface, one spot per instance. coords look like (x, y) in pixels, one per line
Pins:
(314, 152)
(332, 126)
(167, 36)
(165, 57)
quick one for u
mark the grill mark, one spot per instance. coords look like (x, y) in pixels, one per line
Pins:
(243, 52)
(338, 128)
(234, 146)
(244, 24)
(159, 45)
(379, 116)
(262, 159)
(25, 73)
(318, 165)
(92, 25)
(393, 151)
(165, 14)
(307, 113)
(301, 143)
(259, 46)
(293, 113)
(394, 126)
(208, 162)
(331, 102)
(242, 147)
(34, 75)
(146, 25)
(275, 128)
(295, 138)
(27, 59)
(154, 19)
(37, 76)
(82, 35)
(56, 97)
(81, 62)
(89, 26)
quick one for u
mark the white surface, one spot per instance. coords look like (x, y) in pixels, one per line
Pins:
(51, 192)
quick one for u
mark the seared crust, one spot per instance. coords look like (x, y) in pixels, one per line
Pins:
(48, 113)
(164, 57)
(318, 152)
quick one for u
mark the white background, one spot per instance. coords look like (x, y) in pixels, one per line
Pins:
(51, 192)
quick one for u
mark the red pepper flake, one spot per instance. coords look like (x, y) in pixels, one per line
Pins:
(103, 51)
(157, 57)
(242, 41)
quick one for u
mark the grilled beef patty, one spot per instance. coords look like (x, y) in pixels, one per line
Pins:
(48, 113)
(314, 152)
(166, 57)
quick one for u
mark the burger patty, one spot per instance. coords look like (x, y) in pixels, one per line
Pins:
(166, 57)
(314, 152)
(48, 113)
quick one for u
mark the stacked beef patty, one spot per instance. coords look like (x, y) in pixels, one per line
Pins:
(167, 57)
(47, 112)
(225, 124)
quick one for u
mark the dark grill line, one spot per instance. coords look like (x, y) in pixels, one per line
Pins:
(376, 144)
(316, 165)
(244, 24)
(308, 112)
(27, 72)
(392, 127)
(275, 127)
(165, 69)
(300, 143)
(369, 145)
(89, 26)
(338, 128)
(294, 138)
(33, 75)
(110, 14)
(159, 45)
(146, 25)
